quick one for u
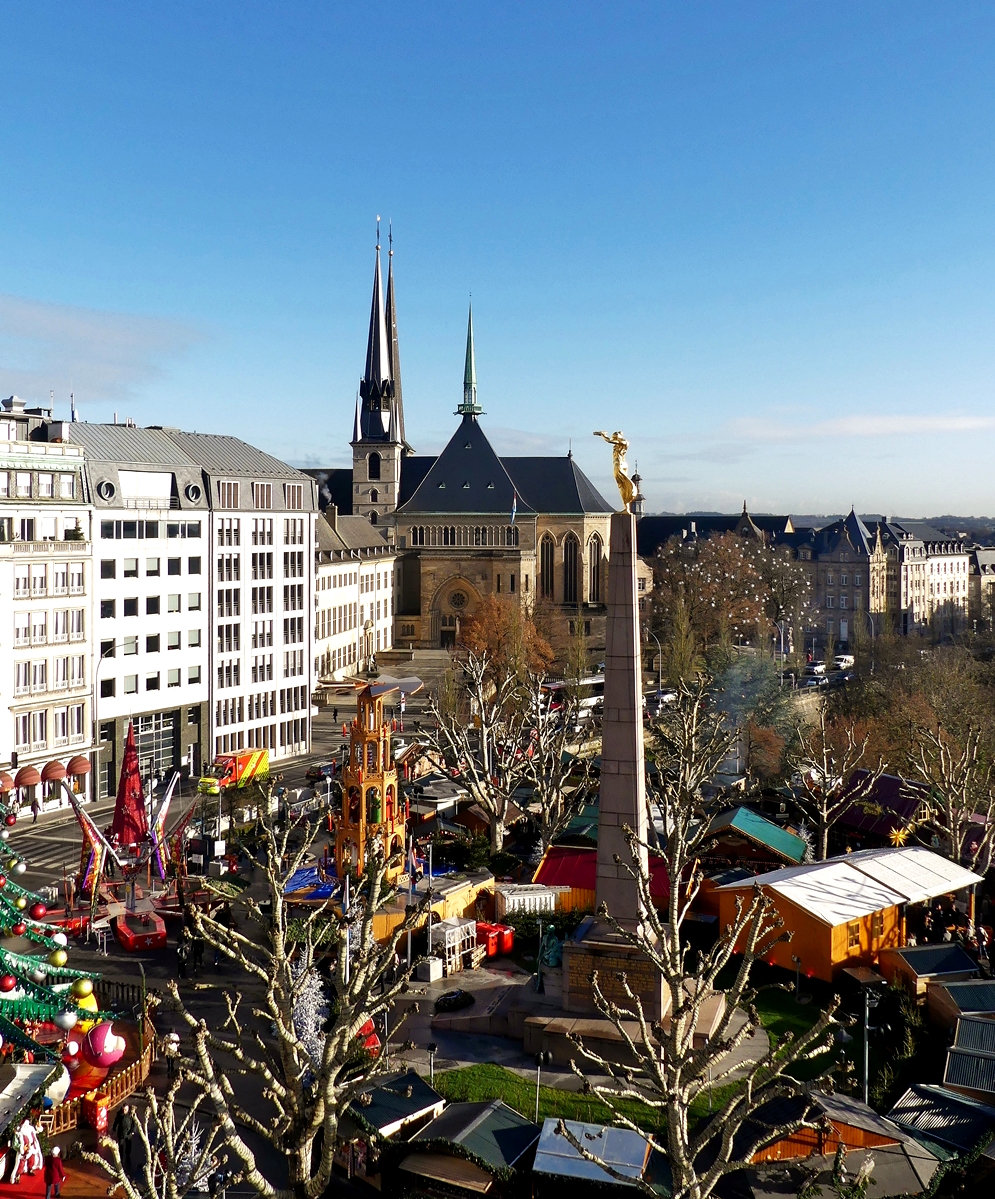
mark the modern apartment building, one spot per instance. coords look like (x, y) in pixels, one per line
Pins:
(45, 593)
(150, 562)
(354, 594)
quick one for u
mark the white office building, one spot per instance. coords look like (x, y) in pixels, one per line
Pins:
(45, 592)
(354, 594)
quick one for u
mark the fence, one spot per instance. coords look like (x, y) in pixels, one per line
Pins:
(115, 1089)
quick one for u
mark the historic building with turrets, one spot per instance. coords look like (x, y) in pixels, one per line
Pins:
(468, 523)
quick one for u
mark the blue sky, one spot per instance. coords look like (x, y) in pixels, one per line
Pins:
(757, 238)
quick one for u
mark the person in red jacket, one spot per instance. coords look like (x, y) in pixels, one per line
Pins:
(55, 1173)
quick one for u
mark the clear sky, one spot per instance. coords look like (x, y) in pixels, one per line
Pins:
(756, 237)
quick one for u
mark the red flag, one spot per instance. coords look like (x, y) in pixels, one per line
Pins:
(130, 825)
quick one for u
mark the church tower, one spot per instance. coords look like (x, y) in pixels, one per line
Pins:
(371, 802)
(378, 432)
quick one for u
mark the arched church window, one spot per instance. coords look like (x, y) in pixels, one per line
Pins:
(373, 518)
(594, 552)
(373, 466)
(571, 556)
(374, 496)
(546, 567)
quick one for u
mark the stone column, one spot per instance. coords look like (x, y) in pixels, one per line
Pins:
(623, 774)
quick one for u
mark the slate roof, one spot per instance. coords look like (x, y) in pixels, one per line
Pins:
(555, 485)
(654, 531)
(349, 533)
(222, 455)
(929, 960)
(493, 1132)
(467, 478)
(937, 1116)
(390, 1102)
(762, 832)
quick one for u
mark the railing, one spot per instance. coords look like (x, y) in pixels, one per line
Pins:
(48, 547)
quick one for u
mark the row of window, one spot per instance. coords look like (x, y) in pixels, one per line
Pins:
(229, 495)
(292, 734)
(230, 531)
(844, 579)
(61, 578)
(844, 601)
(32, 628)
(260, 705)
(153, 681)
(331, 621)
(153, 567)
(25, 484)
(345, 578)
(69, 671)
(502, 535)
(153, 605)
(338, 659)
(147, 530)
(153, 643)
(572, 582)
(44, 528)
(32, 729)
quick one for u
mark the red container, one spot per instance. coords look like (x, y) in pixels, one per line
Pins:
(487, 934)
(507, 937)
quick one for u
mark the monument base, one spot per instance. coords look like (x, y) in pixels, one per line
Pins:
(603, 951)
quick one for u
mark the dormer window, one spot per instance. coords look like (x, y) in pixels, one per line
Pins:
(442, 485)
(466, 485)
(490, 486)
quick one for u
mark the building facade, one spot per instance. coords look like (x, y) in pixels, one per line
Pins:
(45, 592)
(920, 579)
(353, 595)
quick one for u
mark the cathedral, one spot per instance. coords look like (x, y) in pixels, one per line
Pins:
(468, 523)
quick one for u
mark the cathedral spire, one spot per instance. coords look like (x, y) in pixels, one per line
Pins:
(376, 388)
(394, 357)
(469, 407)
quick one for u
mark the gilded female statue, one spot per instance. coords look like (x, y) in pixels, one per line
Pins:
(619, 447)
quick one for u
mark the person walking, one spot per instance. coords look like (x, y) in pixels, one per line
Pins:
(335, 715)
(171, 1051)
(35, 809)
(182, 954)
(124, 1130)
(54, 1174)
(198, 954)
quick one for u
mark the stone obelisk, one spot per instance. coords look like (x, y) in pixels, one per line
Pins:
(622, 801)
(623, 770)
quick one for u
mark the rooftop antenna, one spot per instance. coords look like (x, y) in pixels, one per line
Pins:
(390, 238)
(72, 408)
(378, 230)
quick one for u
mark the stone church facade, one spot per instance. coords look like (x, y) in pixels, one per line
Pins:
(468, 523)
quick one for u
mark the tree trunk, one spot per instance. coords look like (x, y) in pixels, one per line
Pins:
(497, 834)
(823, 840)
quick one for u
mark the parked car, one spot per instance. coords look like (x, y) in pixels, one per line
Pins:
(317, 773)
(454, 1001)
(844, 661)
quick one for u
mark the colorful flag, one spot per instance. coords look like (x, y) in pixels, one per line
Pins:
(514, 507)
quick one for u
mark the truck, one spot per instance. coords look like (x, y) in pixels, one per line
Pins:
(235, 770)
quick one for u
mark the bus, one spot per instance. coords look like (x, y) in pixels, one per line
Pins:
(589, 692)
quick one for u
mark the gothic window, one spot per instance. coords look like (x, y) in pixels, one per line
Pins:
(546, 567)
(374, 496)
(594, 553)
(571, 555)
(373, 466)
(373, 518)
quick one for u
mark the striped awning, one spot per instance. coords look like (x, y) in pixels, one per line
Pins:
(78, 765)
(53, 772)
(27, 776)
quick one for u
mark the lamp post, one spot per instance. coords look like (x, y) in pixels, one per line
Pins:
(798, 967)
(543, 1058)
(870, 1003)
(433, 1049)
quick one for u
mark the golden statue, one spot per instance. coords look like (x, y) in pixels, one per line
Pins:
(619, 447)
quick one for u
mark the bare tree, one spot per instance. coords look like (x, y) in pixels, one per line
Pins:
(670, 1070)
(558, 765)
(482, 731)
(956, 794)
(300, 1049)
(834, 771)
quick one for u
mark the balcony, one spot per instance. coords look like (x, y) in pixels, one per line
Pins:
(47, 548)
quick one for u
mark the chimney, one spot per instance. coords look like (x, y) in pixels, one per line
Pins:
(334, 511)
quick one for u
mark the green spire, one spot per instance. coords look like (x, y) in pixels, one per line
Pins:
(469, 407)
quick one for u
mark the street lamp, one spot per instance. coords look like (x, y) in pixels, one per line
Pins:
(543, 1058)
(433, 1049)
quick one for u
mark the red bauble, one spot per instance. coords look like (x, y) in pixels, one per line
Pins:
(38, 911)
(7, 982)
(3, 881)
(10, 820)
(20, 928)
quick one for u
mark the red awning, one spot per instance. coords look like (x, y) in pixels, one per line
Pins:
(78, 765)
(6, 782)
(53, 772)
(27, 776)
(576, 866)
